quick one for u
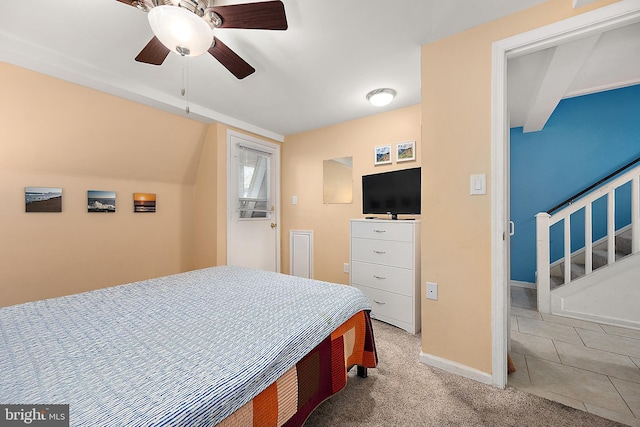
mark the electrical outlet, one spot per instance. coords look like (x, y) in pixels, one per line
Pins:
(432, 291)
(346, 267)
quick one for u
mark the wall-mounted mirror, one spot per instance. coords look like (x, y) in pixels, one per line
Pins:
(338, 180)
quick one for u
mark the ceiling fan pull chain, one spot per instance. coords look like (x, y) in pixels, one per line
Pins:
(183, 90)
(185, 81)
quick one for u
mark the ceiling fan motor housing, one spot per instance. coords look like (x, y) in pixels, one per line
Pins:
(201, 8)
(198, 7)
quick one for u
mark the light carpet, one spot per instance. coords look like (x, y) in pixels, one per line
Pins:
(402, 391)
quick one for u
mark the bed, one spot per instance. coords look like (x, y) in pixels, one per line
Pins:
(226, 346)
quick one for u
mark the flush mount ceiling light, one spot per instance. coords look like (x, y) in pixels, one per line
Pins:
(381, 97)
(181, 30)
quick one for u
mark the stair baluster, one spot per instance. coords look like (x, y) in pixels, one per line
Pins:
(611, 226)
(635, 214)
(594, 258)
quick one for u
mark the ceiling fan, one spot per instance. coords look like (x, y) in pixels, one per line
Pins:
(186, 27)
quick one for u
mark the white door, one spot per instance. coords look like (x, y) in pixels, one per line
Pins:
(253, 194)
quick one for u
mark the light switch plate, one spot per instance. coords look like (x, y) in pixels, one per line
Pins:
(478, 184)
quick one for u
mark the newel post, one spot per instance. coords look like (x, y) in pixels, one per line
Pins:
(543, 281)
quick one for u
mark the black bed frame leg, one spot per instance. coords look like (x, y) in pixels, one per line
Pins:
(362, 371)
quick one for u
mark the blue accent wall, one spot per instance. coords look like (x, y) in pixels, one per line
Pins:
(585, 139)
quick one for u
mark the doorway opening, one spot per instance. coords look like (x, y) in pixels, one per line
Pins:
(609, 17)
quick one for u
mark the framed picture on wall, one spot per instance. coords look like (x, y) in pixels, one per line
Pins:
(406, 151)
(42, 199)
(382, 155)
(144, 202)
(101, 201)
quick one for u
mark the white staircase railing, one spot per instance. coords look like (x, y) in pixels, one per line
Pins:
(544, 221)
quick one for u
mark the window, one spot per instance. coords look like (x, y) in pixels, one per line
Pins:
(253, 182)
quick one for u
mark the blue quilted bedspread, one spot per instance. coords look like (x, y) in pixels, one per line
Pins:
(183, 350)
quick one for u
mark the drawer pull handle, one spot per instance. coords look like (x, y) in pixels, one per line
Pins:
(380, 231)
(379, 302)
(379, 277)
(379, 252)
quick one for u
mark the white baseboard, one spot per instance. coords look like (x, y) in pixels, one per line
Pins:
(603, 319)
(456, 368)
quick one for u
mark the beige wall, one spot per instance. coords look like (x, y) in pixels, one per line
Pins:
(456, 142)
(206, 197)
(302, 164)
(58, 134)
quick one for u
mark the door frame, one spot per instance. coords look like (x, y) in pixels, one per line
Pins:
(275, 149)
(605, 18)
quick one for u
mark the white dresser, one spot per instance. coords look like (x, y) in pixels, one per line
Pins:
(385, 265)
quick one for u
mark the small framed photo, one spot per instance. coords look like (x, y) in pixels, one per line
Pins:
(382, 155)
(406, 151)
(101, 201)
(144, 202)
(43, 199)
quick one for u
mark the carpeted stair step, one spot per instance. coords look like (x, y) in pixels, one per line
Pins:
(577, 270)
(556, 281)
(600, 259)
(624, 243)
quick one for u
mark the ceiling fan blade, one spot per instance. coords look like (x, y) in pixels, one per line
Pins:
(268, 15)
(129, 2)
(231, 61)
(153, 53)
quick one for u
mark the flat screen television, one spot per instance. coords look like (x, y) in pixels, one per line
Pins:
(396, 192)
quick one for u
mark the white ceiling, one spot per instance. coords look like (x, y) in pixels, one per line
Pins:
(314, 74)
(538, 81)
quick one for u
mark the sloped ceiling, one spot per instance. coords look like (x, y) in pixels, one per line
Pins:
(40, 133)
(538, 81)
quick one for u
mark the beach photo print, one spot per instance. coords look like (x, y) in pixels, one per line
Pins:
(101, 201)
(144, 202)
(43, 199)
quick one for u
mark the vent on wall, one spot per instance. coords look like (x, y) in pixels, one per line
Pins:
(301, 244)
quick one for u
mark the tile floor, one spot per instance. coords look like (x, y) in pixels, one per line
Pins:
(585, 365)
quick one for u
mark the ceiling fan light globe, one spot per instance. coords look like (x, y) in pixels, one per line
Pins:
(180, 30)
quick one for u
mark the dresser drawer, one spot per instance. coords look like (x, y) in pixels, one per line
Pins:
(396, 230)
(385, 266)
(383, 277)
(387, 305)
(398, 254)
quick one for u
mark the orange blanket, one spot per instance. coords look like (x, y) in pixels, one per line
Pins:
(319, 375)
